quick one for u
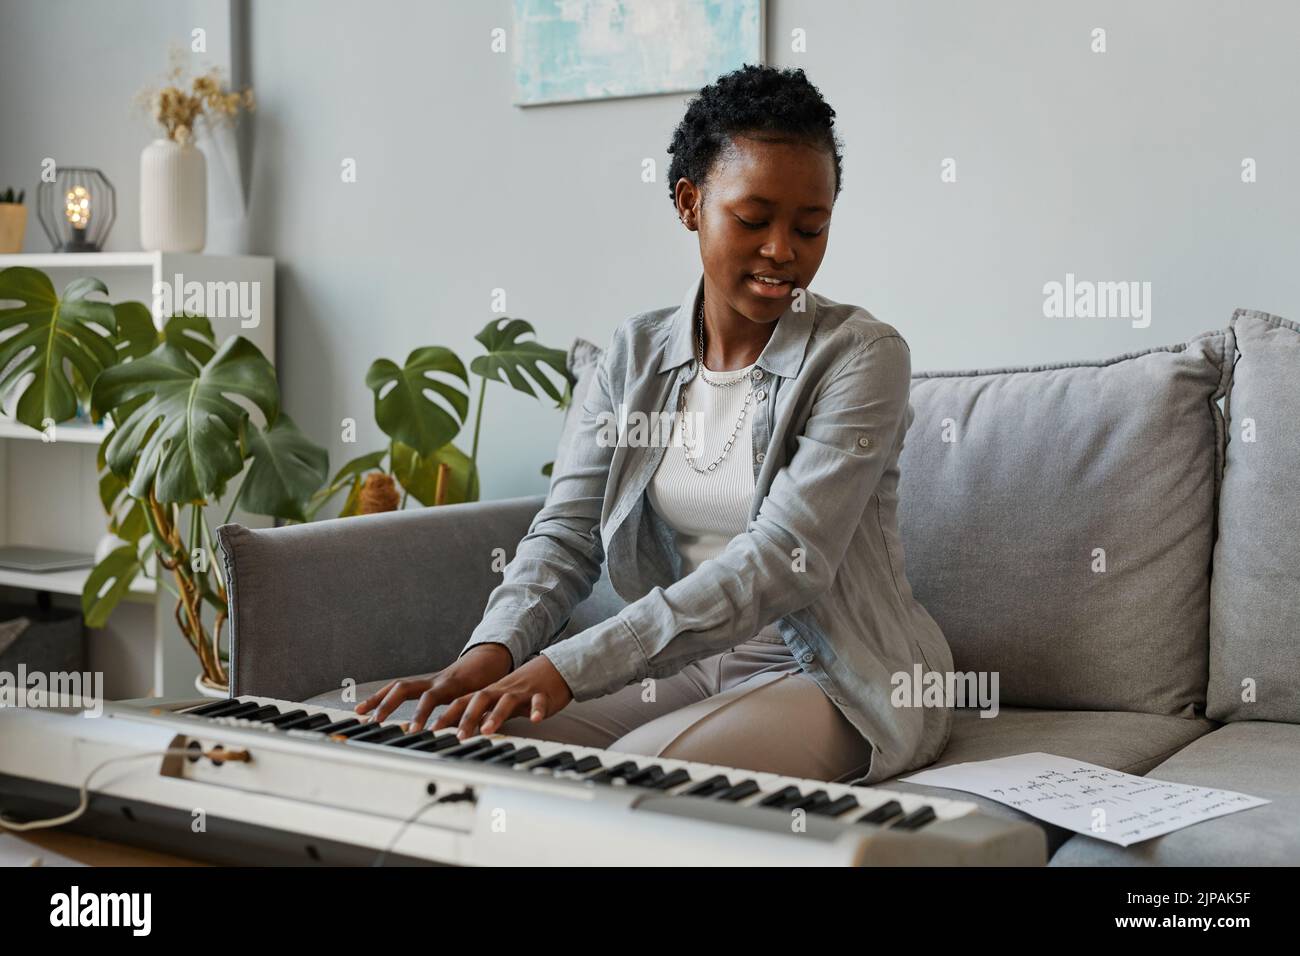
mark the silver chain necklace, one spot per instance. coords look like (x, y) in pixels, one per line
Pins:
(687, 447)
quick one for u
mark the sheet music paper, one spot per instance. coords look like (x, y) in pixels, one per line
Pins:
(1096, 801)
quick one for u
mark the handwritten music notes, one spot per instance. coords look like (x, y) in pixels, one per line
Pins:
(1095, 801)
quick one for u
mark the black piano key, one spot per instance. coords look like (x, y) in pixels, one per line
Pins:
(340, 725)
(360, 728)
(781, 798)
(556, 761)
(410, 740)
(739, 792)
(586, 764)
(242, 709)
(646, 776)
(214, 708)
(817, 798)
(498, 750)
(516, 756)
(706, 788)
(468, 747)
(287, 717)
(886, 811)
(836, 807)
(916, 819)
(268, 710)
(439, 743)
(379, 734)
(616, 772)
(309, 722)
(674, 778)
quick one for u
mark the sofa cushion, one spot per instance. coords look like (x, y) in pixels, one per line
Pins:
(1120, 740)
(1057, 523)
(1259, 758)
(1255, 592)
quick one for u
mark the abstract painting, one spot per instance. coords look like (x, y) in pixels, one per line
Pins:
(572, 50)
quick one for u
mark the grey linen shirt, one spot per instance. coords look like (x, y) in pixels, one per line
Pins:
(820, 554)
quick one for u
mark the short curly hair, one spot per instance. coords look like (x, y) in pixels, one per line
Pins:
(760, 101)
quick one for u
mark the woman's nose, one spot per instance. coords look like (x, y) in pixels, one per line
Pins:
(777, 248)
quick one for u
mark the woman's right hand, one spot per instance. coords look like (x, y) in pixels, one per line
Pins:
(485, 664)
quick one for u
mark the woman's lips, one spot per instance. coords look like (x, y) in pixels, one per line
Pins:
(769, 290)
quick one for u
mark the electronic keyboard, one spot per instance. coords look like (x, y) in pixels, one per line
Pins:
(257, 780)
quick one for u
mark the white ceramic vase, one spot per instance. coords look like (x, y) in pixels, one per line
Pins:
(207, 690)
(173, 197)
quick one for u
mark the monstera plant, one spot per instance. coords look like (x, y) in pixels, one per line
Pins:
(421, 455)
(182, 429)
(187, 419)
(180, 437)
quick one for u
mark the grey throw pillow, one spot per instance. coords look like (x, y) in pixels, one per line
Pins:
(1255, 592)
(1057, 522)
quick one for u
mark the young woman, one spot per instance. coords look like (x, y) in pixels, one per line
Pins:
(770, 617)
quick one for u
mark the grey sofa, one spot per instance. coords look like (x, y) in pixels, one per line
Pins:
(1118, 541)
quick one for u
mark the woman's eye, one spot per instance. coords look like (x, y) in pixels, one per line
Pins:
(759, 225)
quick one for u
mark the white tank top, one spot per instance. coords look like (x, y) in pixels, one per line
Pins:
(707, 510)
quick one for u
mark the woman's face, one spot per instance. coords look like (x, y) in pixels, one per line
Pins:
(768, 212)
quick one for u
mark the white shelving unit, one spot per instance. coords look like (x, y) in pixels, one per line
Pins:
(49, 489)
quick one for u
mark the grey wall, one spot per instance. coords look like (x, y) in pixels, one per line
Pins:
(1116, 166)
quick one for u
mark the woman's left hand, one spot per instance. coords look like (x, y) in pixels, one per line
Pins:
(536, 689)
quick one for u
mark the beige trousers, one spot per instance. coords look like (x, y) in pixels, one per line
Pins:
(751, 707)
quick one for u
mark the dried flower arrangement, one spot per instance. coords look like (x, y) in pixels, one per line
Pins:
(177, 110)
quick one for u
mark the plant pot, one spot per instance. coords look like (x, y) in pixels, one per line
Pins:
(13, 225)
(173, 197)
(215, 691)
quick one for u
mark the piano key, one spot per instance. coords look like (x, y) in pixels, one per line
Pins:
(468, 747)
(812, 801)
(439, 743)
(214, 708)
(377, 735)
(616, 772)
(356, 731)
(309, 722)
(837, 806)
(495, 751)
(916, 819)
(557, 760)
(779, 798)
(286, 717)
(410, 740)
(244, 708)
(263, 712)
(518, 756)
(739, 792)
(708, 787)
(646, 776)
(586, 764)
(339, 725)
(674, 778)
(886, 811)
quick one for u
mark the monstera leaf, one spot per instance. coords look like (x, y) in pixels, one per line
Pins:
(403, 407)
(137, 337)
(125, 514)
(418, 474)
(45, 332)
(184, 438)
(349, 476)
(109, 581)
(507, 356)
(287, 468)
